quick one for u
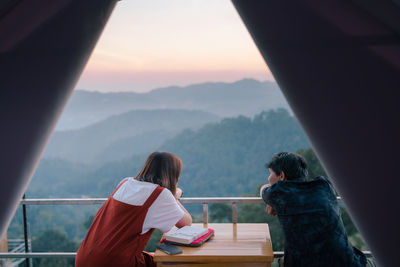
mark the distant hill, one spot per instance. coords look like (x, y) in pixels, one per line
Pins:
(220, 159)
(244, 97)
(124, 135)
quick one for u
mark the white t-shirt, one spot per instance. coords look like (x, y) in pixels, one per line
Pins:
(163, 214)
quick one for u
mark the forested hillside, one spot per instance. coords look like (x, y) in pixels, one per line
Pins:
(231, 152)
(227, 158)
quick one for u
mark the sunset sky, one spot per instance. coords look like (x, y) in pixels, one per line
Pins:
(156, 43)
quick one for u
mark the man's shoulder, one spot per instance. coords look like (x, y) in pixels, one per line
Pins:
(272, 189)
(321, 179)
(298, 186)
(299, 183)
(327, 184)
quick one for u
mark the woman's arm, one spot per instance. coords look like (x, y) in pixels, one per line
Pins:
(187, 218)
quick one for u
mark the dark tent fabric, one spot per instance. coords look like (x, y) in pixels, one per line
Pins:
(44, 46)
(338, 64)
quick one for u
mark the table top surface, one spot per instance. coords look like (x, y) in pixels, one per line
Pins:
(242, 242)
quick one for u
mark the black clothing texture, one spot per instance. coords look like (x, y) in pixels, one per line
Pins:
(309, 214)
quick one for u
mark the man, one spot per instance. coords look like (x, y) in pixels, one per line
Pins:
(309, 215)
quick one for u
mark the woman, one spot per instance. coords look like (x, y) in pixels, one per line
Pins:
(123, 225)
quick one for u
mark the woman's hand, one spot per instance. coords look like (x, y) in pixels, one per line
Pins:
(187, 218)
(178, 193)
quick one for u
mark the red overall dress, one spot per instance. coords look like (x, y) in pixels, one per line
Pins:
(114, 238)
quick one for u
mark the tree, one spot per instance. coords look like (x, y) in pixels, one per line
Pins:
(220, 213)
(255, 213)
(53, 240)
(315, 168)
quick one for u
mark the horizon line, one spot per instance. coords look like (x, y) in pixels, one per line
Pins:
(145, 91)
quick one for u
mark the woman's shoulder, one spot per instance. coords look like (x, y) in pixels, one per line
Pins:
(166, 195)
(133, 192)
(124, 180)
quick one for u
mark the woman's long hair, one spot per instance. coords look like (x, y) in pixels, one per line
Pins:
(161, 168)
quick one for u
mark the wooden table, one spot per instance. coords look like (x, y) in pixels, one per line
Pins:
(242, 244)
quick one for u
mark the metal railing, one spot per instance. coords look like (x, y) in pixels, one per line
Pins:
(17, 246)
(189, 200)
(205, 201)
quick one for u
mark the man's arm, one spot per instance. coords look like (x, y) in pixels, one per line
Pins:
(268, 209)
(262, 189)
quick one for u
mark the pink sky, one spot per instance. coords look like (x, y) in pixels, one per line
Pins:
(156, 43)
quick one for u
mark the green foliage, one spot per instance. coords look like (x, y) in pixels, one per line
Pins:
(53, 241)
(56, 262)
(255, 213)
(315, 168)
(88, 222)
(352, 232)
(227, 158)
(220, 213)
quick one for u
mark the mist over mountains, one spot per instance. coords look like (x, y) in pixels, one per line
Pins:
(245, 97)
(99, 127)
(121, 136)
(224, 158)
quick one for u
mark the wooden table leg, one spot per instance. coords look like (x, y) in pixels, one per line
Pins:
(3, 248)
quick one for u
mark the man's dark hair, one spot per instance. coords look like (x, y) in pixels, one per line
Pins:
(293, 165)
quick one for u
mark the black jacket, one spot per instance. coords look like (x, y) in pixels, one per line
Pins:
(309, 214)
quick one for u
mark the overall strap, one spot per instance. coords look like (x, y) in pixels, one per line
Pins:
(121, 183)
(153, 197)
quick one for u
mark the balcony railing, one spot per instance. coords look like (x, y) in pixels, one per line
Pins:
(205, 201)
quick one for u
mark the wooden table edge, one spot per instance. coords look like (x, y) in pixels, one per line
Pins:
(230, 258)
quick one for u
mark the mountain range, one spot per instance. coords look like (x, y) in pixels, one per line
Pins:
(121, 136)
(224, 158)
(245, 97)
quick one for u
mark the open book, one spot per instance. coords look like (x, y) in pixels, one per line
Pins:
(186, 234)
